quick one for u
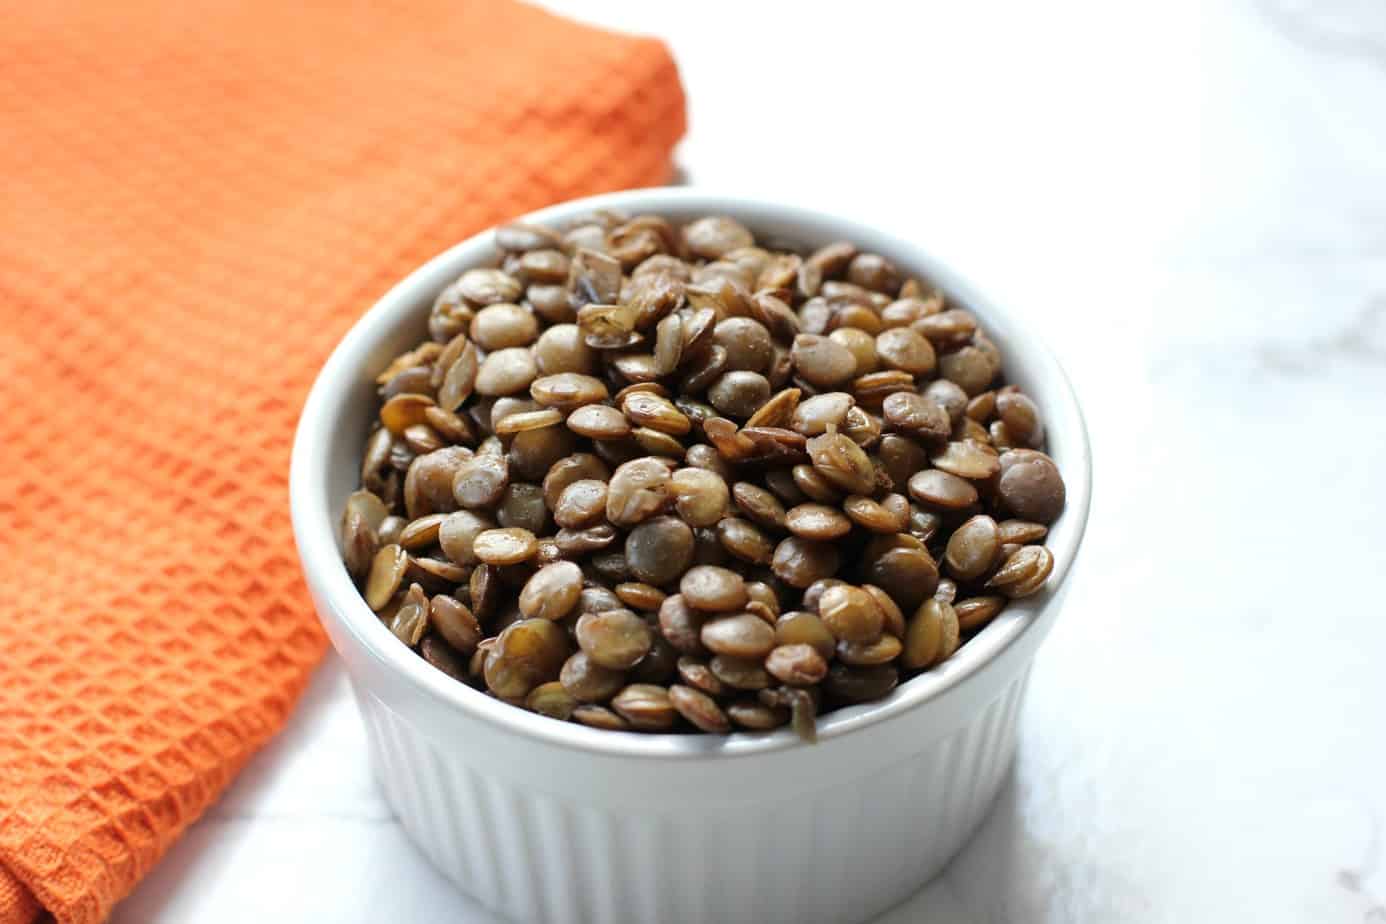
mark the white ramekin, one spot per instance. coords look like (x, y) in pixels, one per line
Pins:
(542, 820)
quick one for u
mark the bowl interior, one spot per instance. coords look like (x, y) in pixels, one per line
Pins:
(342, 404)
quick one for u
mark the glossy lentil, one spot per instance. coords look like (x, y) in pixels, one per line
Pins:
(658, 477)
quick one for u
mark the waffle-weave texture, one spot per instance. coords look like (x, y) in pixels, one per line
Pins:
(197, 201)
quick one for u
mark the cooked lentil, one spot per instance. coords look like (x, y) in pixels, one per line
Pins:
(770, 455)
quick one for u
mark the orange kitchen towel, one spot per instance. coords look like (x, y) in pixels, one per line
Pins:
(196, 201)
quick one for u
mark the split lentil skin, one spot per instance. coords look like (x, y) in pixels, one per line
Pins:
(654, 477)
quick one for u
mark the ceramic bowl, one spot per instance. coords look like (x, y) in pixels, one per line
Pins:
(541, 820)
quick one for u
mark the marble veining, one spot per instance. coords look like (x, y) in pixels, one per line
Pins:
(1331, 28)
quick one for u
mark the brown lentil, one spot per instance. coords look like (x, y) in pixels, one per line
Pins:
(659, 549)
(890, 514)
(902, 567)
(901, 457)
(778, 411)
(798, 665)
(573, 468)
(479, 482)
(851, 614)
(917, 416)
(821, 361)
(506, 546)
(582, 504)
(638, 490)
(799, 562)
(861, 343)
(681, 625)
(902, 348)
(410, 620)
(386, 573)
(698, 675)
(818, 521)
(567, 391)
(428, 483)
(981, 407)
(716, 235)
(967, 459)
(867, 654)
(506, 372)
(658, 413)
(645, 706)
(699, 709)
(947, 329)
(813, 595)
(501, 325)
(739, 393)
(1024, 571)
(872, 271)
(713, 589)
(740, 673)
(484, 591)
(757, 716)
(969, 368)
(860, 684)
(564, 452)
(552, 700)
(560, 349)
(700, 496)
(803, 628)
(615, 639)
(485, 286)
(451, 619)
(421, 438)
(862, 427)
(704, 369)
(975, 612)
(581, 541)
(1021, 532)
(586, 681)
(926, 638)
(948, 396)
(435, 573)
(527, 653)
(747, 342)
(552, 592)
(701, 455)
(739, 636)
(973, 548)
(942, 490)
(759, 505)
(969, 429)
(874, 387)
(404, 411)
(362, 521)
(745, 541)
(781, 483)
(893, 621)
(842, 462)
(1030, 485)
(759, 592)
(640, 596)
(527, 420)
(594, 716)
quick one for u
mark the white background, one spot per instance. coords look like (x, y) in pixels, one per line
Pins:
(1191, 199)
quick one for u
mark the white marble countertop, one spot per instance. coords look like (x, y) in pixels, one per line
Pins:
(1191, 198)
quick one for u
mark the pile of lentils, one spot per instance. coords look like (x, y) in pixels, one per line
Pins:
(654, 477)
